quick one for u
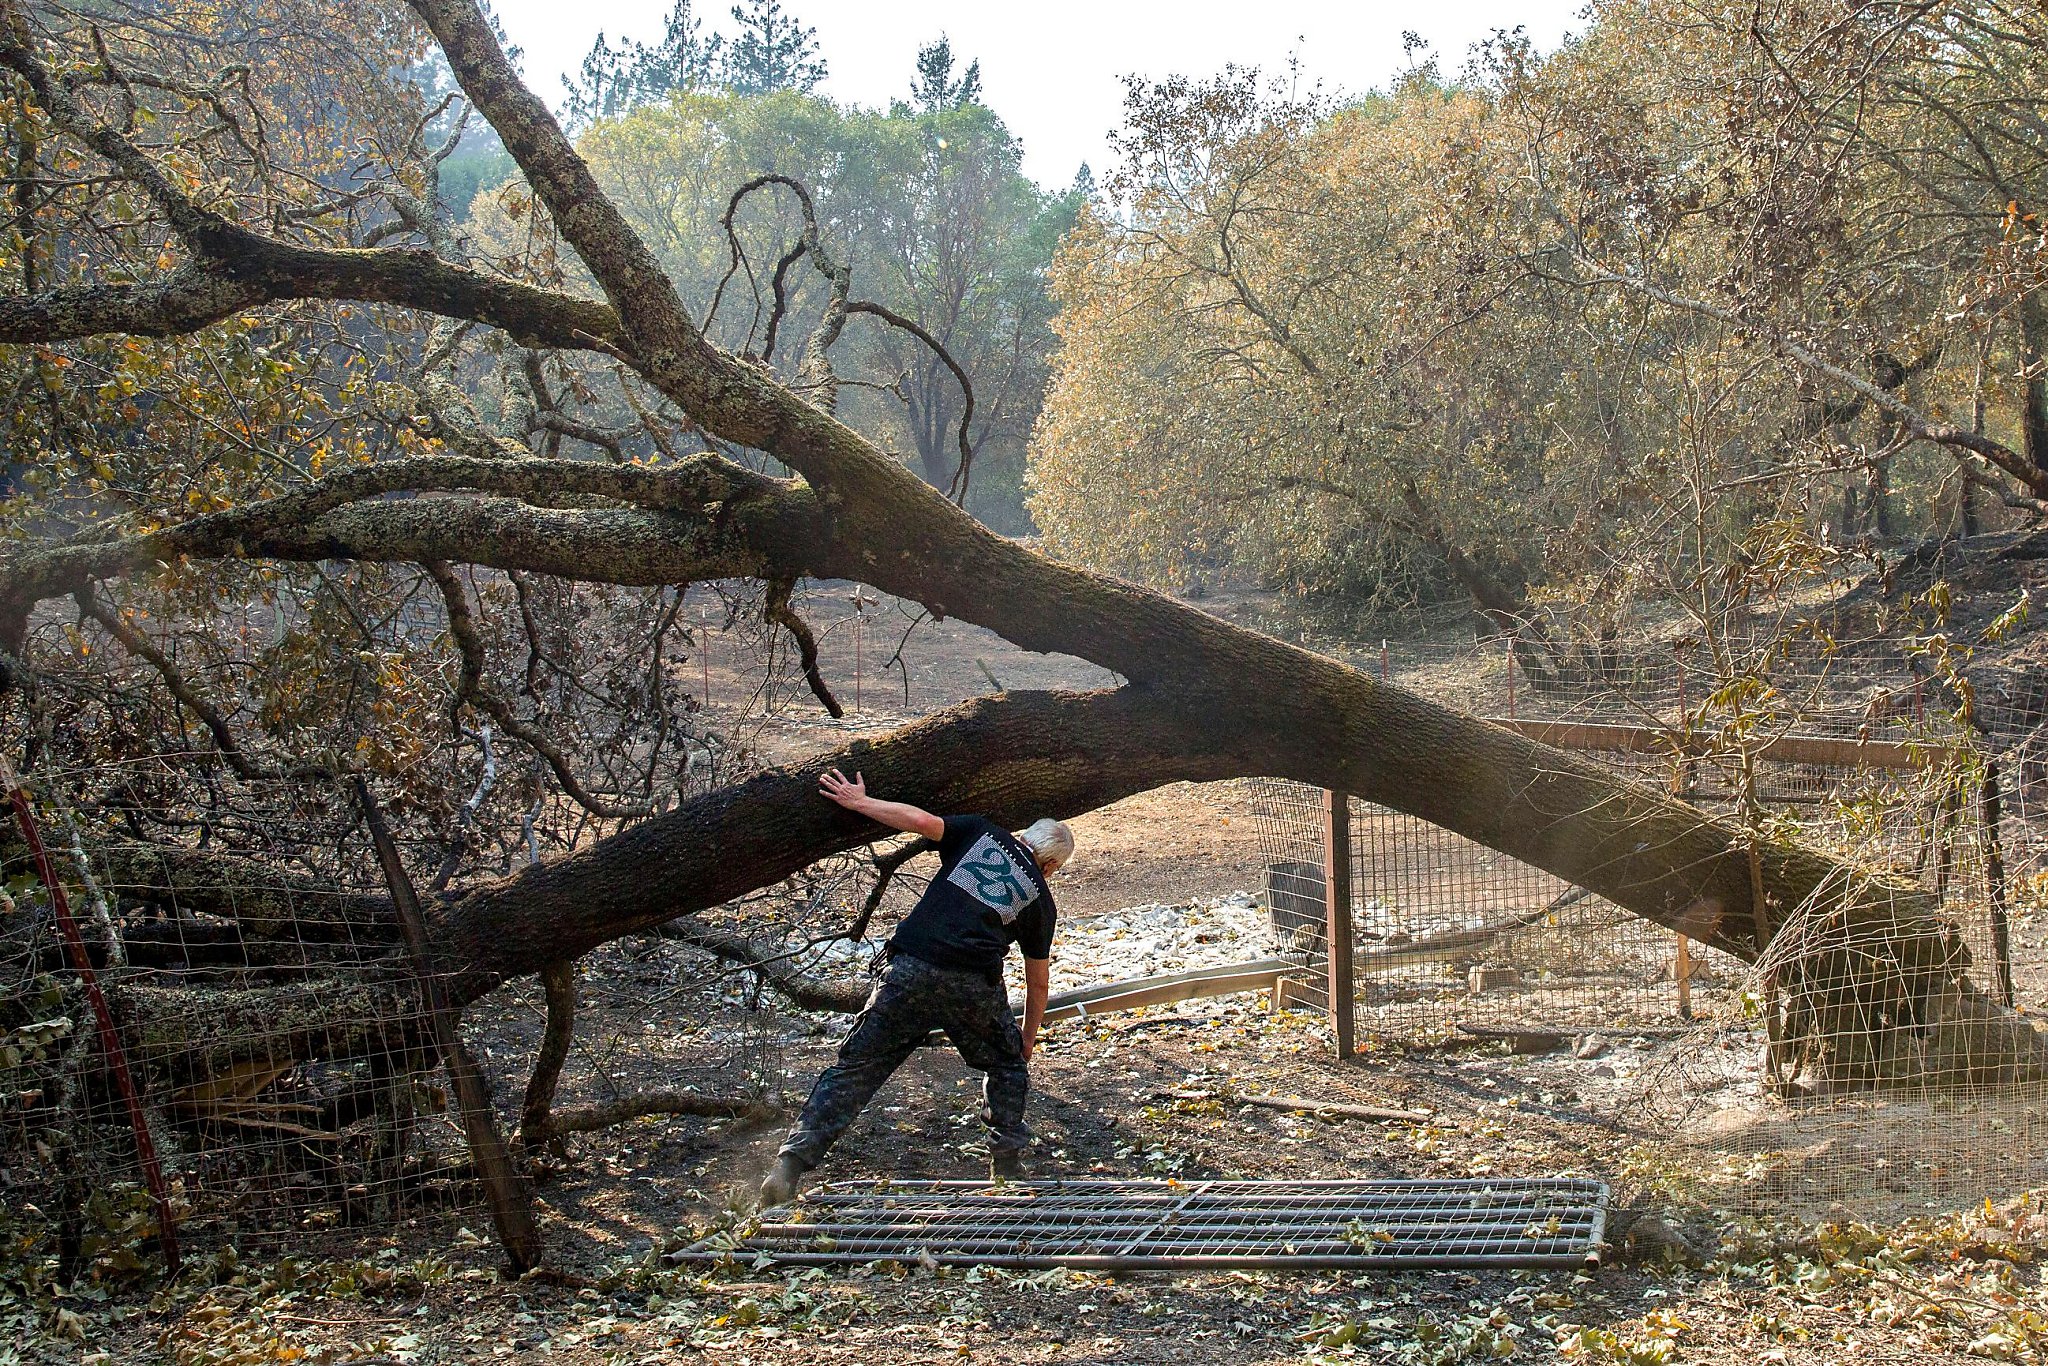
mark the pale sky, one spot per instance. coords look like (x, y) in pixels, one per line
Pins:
(1052, 68)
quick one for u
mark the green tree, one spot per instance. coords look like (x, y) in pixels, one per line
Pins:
(613, 80)
(935, 88)
(932, 211)
(772, 50)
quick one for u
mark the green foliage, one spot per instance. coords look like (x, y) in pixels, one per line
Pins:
(930, 208)
(772, 50)
(614, 80)
(935, 87)
(467, 173)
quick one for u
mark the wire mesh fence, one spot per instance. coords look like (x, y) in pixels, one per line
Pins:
(1870, 1057)
(289, 1078)
(262, 1001)
(291, 1083)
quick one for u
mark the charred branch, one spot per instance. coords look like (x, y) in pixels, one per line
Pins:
(782, 614)
(886, 867)
(773, 965)
(536, 1111)
(585, 1119)
(469, 688)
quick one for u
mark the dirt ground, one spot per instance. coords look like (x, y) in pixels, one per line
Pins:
(1147, 1094)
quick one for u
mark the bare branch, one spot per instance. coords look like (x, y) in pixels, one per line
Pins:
(957, 489)
(779, 611)
(587, 1118)
(469, 688)
(886, 867)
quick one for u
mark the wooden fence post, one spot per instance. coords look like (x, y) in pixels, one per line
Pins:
(1337, 945)
(511, 1209)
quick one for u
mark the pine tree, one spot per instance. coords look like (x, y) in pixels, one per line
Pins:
(933, 88)
(773, 51)
(597, 93)
(616, 80)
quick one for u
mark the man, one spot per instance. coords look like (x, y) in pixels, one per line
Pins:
(943, 969)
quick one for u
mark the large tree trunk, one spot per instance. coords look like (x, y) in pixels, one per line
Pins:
(2034, 394)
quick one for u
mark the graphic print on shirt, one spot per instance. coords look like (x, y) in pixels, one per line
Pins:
(991, 876)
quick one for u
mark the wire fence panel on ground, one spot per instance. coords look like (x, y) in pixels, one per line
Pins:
(1181, 1226)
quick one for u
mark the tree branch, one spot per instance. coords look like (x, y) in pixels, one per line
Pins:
(317, 522)
(235, 268)
(469, 688)
(957, 489)
(1970, 446)
(886, 867)
(180, 688)
(779, 611)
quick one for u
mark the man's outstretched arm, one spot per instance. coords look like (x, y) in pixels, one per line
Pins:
(1037, 982)
(852, 793)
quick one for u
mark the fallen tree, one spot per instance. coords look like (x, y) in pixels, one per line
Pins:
(1203, 699)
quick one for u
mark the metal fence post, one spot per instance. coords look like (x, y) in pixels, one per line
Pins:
(1511, 677)
(1681, 973)
(1991, 817)
(1337, 943)
(113, 1054)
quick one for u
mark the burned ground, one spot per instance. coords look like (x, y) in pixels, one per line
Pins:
(1151, 1094)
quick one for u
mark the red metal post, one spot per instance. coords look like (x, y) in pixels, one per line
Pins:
(110, 1037)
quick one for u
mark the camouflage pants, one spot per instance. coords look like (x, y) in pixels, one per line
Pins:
(910, 1000)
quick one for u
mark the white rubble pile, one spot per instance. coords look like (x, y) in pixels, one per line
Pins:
(1145, 941)
(1137, 941)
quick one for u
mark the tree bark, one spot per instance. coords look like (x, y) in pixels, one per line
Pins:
(2034, 394)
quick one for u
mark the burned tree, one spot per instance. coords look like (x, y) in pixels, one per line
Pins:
(746, 476)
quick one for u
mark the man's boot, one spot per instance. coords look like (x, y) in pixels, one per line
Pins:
(1006, 1165)
(779, 1187)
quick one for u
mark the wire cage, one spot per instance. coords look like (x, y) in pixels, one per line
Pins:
(1827, 1074)
(263, 1008)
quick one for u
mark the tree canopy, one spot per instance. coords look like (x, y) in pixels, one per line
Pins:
(1514, 336)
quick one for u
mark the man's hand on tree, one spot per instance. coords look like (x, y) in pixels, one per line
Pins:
(852, 793)
(848, 792)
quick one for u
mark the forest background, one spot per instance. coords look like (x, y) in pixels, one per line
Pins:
(1441, 343)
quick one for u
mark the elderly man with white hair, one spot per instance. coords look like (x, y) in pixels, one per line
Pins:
(943, 969)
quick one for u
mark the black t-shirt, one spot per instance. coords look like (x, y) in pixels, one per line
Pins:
(987, 896)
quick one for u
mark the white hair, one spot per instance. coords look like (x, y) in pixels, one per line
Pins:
(1049, 839)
